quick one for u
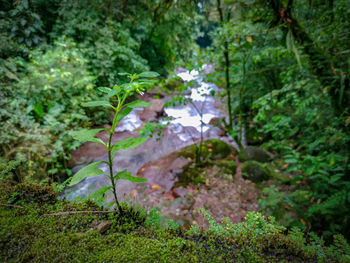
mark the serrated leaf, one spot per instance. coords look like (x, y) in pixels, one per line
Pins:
(125, 175)
(99, 103)
(88, 171)
(123, 113)
(86, 135)
(128, 143)
(138, 104)
(148, 74)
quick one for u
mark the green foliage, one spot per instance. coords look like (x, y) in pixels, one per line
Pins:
(40, 108)
(109, 48)
(137, 84)
(288, 79)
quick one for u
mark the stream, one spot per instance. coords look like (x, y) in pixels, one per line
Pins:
(155, 159)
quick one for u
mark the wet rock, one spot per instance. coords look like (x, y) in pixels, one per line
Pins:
(255, 154)
(215, 132)
(161, 174)
(157, 106)
(103, 226)
(152, 112)
(255, 171)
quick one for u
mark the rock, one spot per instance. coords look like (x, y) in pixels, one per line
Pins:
(103, 226)
(215, 132)
(215, 121)
(255, 171)
(255, 154)
(152, 112)
(180, 192)
(161, 173)
(157, 106)
(148, 116)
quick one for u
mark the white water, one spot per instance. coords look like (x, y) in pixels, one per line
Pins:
(183, 129)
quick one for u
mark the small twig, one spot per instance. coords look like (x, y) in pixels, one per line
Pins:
(81, 212)
(9, 205)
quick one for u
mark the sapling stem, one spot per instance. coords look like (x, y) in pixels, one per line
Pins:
(109, 147)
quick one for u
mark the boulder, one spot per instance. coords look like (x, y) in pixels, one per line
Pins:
(255, 154)
(157, 106)
(152, 112)
(255, 171)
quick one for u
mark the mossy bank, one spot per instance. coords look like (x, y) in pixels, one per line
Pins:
(30, 233)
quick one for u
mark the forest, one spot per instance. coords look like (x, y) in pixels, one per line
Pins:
(174, 131)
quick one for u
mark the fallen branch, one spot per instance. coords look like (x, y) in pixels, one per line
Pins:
(9, 205)
(81, 212)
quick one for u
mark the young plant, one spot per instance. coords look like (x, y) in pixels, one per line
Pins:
(118, 94)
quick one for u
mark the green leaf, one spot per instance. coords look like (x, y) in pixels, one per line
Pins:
(123, 113)
(148, 74)
(127, 144)
(104, 89)
(125, 175)
(86, 135)
(138, 104)
(291, 46)
(113, 92)
(124, 74)
(88, 171)
(39, 110)
(98, 194)
(97, 104)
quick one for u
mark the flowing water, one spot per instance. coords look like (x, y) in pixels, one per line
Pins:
(184, 128)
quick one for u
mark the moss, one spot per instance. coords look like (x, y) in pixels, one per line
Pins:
(29, 235)
(31, 192)
(227, 166)
(255, 171)
(211, 149)
(254, 154)
(190, 174)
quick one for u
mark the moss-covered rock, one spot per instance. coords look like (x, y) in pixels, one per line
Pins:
(255, 171)
(227, 166)
(255, 154)
(211, 149)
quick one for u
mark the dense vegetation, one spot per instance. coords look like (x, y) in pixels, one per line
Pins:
(283, 69)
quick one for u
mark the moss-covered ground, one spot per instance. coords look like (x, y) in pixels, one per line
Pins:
(29, 234)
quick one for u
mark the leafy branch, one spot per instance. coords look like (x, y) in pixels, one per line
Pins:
(137, 84)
